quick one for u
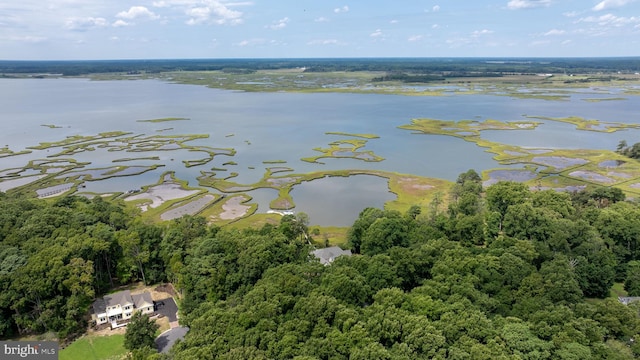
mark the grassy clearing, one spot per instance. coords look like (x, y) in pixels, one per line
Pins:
(465, 128)
(135, 159)
(364, 136)
(590, 124)
(346, 148)
(618, 290)
(95, 347)
(164, 119)
(604, 99)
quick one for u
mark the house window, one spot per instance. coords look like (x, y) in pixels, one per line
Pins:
(127, 314)
(102, 319)
(127, 307)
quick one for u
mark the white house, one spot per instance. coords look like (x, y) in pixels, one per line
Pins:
(120, 306)
(327, 255)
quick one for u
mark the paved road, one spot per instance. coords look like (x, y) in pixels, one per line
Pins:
(169, 309)
(165, 341)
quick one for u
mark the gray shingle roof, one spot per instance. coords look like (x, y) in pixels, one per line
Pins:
(327, 255)
(121, 298)
(141, 299)
(628, 299)
(99, 306)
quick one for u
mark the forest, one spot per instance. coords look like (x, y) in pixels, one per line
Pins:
(414, 66)
(501, 272)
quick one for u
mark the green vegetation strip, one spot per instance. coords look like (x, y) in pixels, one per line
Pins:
(95, 348)
(164, 119)
(590, 124)
(364, 136)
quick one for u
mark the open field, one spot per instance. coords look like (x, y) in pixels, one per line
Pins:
(95, 348)
(547, 86)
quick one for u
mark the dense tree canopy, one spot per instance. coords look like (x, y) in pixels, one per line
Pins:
(140, 332)
(504, 272)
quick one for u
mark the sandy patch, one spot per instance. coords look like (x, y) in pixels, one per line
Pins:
(159, 194)
(234, 208)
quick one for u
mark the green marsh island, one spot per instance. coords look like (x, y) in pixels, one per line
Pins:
(266, 171)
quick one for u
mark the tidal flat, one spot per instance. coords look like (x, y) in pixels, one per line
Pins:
(315, 127)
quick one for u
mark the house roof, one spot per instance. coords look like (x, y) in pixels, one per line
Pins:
(628, 299)
(327, 255)
(99, 306)
(142, 300)
(119, 298)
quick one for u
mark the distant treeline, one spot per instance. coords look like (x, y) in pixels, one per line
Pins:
(423, 66)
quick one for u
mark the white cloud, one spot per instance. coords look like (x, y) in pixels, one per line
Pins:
(527, 4)
(481, 32)
(566, 42)
(571, 14)
(610, 4)
(610, 20)
(553, 32)
(280, 24)
(321, 19)
(136, 12)
(435, 26)
(206, 11)
(415, 38)
(343, 9)
(376, 34)
(198, 15)
(326, 42)
(84, 24)
(435, 8)
(394, 21)
(120, 23)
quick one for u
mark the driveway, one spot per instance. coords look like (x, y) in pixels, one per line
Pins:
(169, 309)
(165, 341)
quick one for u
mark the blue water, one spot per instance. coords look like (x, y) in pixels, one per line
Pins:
(285, 126)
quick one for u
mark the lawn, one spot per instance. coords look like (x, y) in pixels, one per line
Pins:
(95, 347)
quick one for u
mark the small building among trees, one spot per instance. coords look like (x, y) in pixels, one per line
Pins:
(120, 307)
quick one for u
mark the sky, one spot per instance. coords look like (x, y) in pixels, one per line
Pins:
(180, 29)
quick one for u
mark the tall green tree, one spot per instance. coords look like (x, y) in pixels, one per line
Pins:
(632, 281)
(140, 333)
(503, 194)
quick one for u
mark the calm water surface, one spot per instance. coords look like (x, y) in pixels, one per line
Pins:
(283, 126)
